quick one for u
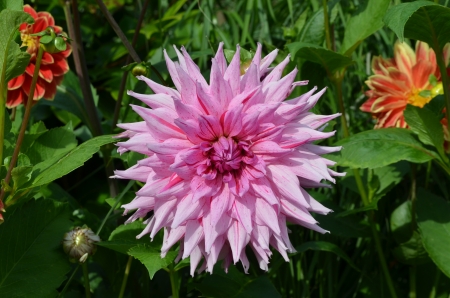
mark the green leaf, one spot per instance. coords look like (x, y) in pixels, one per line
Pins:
(123, 238)
(360, 26)
(11, 56)
(32, 263)
(325, 246)
(60, 43)
(330, 60)
(420, 20)
(425, 124)
(151, 257)
(380, 147)
(52, 143)
(433, 218)
(11, 4)
(412, 252)
(235, 284)
(46, 39)
(401, 222)
(57, 166)
(17, 61)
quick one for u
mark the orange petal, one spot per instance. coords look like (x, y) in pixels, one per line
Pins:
(421, 72)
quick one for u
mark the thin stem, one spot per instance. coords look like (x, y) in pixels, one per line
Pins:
(69, 281)
(125, 73)
(174, 281)
(412, 281)
(427, 177)
(118, 199)
(118, 31)
(327, 25)
(435, 283)
(125, 276)
(413, 197)
(338, 84)
(379, 249)
(445, 82)
(87, 286)
(361, 189)
(26, 117)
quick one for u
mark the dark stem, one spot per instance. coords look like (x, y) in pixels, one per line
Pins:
(118, 31)
(82, 73)
(125, 73)
(26, 117)
(87, 286)
(125, 276)
(61, 294)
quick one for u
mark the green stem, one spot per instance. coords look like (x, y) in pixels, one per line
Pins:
(361, 189)
(87, 286)
(338, 84)
(379, 249)
(413, 197)
(435, 283)
(68, 281)
(125, 276)
(26, 116)
(174, 281)
(445, 82)
(327, 25)
(412, 281)
(427, 177)
(118, 199)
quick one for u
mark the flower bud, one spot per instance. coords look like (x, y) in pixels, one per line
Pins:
(80, 243)
(139, 70)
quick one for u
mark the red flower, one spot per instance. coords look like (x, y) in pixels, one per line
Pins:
(53, 66)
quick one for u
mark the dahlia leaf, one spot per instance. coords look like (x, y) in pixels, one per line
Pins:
(433, 219)
(123, 238)
(63, 163)
(33, 257)
(381, 147)
(235, 284)
(151, 258)
(412, 251)
(426, 125)
(420, 20)
(330, 60)
(363, 24)
(326, 246)
(54, 142)
(17, 61)
(401, 222)
(11, 4)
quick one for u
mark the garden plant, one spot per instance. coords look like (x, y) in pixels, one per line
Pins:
(235, 148)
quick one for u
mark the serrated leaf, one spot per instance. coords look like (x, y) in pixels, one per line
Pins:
(21, 175)
(51, 143)
(363, 24)
(330, 60)
(381, 147)
(433, 219)
(32, 263)
(17, 61)
(420, 20)
(11, 4)
(412, 251)
(60, 165)
(151, 258)
(426, 125)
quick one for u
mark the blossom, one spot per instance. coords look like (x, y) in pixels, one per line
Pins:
(227, 162)
(53, 66)
(402, 80)
(79, 243)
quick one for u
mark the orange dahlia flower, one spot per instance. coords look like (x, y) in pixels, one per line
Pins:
(402, 80)
(53, 66)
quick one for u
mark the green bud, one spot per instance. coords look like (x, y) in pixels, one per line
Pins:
(139, 70)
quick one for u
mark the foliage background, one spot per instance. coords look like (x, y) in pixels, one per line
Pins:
(343, 263)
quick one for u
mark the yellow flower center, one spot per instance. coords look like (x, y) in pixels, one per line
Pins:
(419, 98)
(31, 42)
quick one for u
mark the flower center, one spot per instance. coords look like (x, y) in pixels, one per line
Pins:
(227, 157)
(31, 42)
(420, 98)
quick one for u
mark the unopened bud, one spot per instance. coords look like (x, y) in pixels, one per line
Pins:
(139, 70)
(80, 243)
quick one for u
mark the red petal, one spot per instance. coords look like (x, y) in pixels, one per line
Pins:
(16, 82)
(40, 24)
(40, 88)
(48, 16)
(47, 59)
(15, 98)
(60, 66)
(421, 72)
(28, 9)
(50, 90)
(46, 73)
(67, 52)
(30, 69)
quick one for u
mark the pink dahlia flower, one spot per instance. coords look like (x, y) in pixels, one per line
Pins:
(227, 162)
